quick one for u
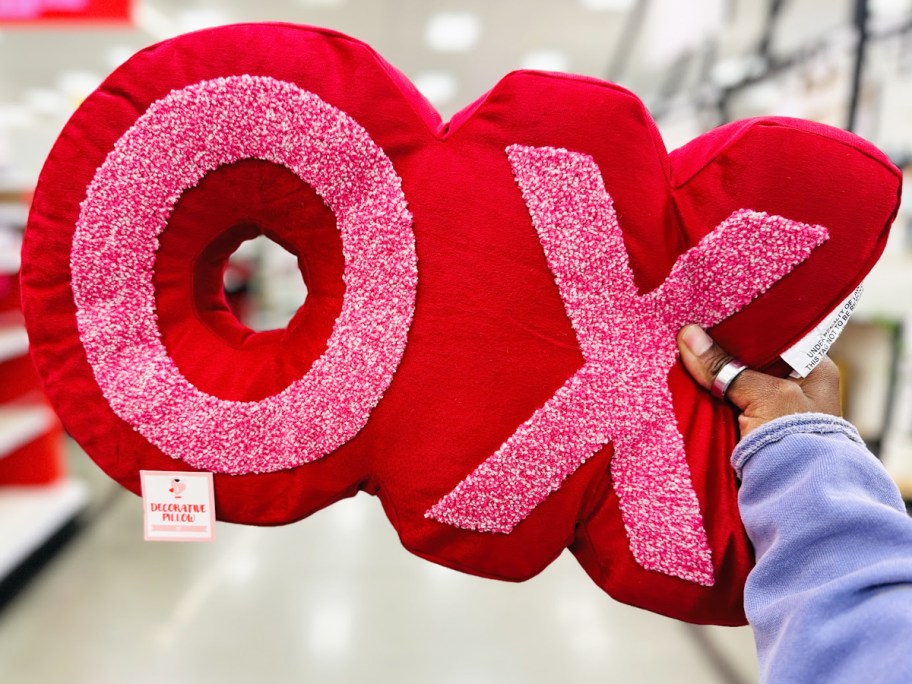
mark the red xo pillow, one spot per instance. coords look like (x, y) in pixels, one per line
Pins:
(488, 340)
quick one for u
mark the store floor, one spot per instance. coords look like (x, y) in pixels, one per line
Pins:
(331, 599)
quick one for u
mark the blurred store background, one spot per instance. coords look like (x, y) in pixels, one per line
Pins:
(335, 598)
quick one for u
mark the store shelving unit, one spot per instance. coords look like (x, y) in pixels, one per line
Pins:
(850, 68)
(37, 498)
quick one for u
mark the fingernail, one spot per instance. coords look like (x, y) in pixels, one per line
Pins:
(696, 339)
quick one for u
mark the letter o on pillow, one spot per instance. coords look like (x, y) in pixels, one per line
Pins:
(180, 139)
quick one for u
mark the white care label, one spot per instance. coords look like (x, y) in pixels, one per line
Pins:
(177, 506)
(804, 356)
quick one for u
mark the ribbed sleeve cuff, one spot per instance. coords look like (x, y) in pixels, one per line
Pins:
(798, 423)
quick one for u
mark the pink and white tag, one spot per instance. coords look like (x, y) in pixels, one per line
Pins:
(177, 506)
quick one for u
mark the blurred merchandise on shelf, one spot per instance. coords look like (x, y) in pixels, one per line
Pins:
(897, 444)
(866, 355)
(56, 12)
(36, 497)
(263, 284)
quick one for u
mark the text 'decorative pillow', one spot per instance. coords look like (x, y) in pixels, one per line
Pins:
(488, 339)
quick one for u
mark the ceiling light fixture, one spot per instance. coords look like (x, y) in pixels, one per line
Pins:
(153, 21)
(453, 31)
(889, 8)
(321, 3)
(439, 87)
(197, 19)
(546, 60)
(675, 28)
(608, 5)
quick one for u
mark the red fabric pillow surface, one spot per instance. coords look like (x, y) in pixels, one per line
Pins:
(490, 342)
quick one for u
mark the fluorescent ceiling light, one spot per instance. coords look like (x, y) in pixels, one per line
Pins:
(439, 87)
(889, 8)
(196, 19)
(676, 28)
(546, 60)
(732, 70)
(608, 5)
(153, 21)
(453, 31)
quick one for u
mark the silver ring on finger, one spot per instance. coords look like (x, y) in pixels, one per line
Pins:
(725, 377)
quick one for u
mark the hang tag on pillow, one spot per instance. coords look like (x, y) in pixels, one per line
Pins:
(178, 506)
(809, 351)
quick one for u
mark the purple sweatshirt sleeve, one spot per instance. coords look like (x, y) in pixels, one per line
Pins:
(830, 599)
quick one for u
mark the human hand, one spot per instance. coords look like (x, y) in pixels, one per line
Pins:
(760, 397)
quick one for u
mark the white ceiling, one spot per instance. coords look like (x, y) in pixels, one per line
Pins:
(44, 74)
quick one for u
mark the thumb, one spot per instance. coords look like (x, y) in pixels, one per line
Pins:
(760, 397)
(703, 358)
